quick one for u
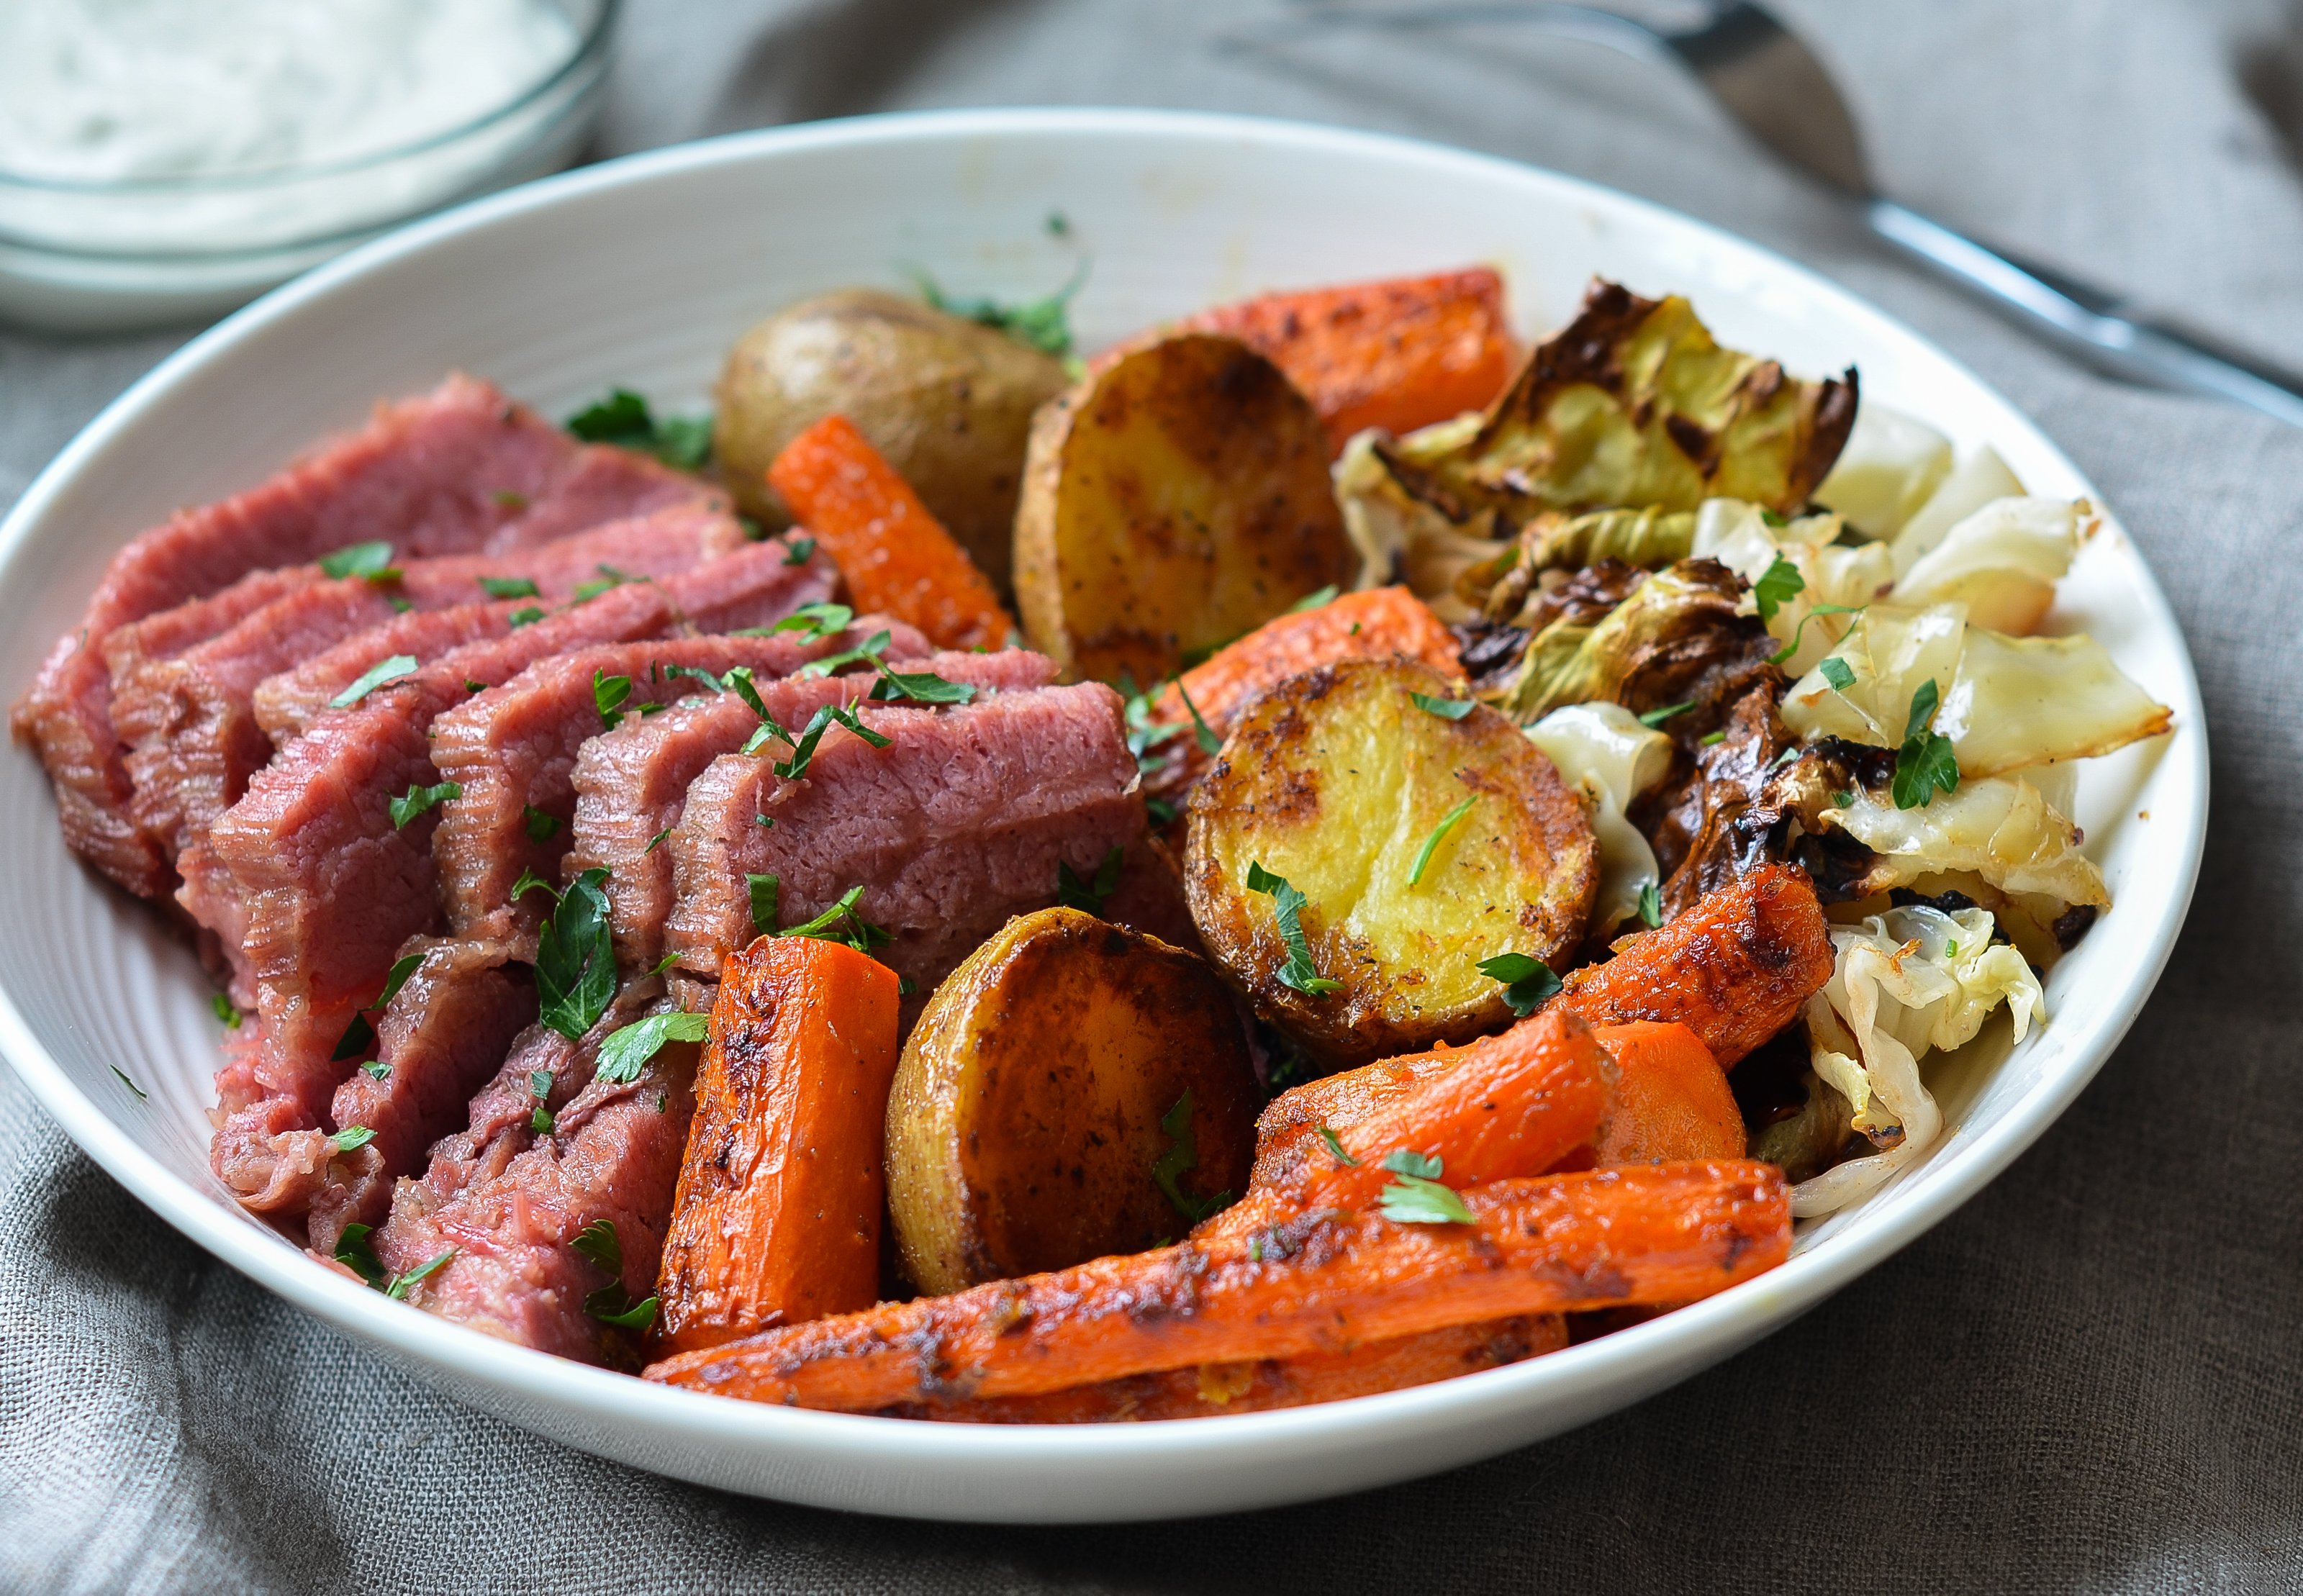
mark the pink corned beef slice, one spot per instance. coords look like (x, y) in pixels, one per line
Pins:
(460, 469)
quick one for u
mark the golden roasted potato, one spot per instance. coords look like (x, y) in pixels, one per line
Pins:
(948, 402)
(1422, 840)
(1174, 499)
(1039, 1117)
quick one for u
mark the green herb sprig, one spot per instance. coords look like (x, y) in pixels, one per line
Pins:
(1287, 914)
(1415, 1195)
(1926, 763)
(1088, 896)
(1529, 982)
(1181, 1158)
(624, 419)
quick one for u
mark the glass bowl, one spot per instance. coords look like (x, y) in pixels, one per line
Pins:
(107, 256)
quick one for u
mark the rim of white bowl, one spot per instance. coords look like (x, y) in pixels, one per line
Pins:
(1684, 1341)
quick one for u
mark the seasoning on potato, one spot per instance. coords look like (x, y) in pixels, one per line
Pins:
(1368, 835)
(1073, 1090)
(947, 402)
(1176, 499)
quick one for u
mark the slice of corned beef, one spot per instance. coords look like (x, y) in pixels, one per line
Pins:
(513, 750)
(169, 633)
(960, 822)
(445, 1035)
(512, 1269)
(190, 721)
(631, 784)
(459, 469)
(320, 885)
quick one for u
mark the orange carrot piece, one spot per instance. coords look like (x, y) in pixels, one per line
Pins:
(1216, 1388)
(777, 1215)
(896, 556)
(1325, 1282)
(1510, 1104)
(1736, 969)
(1398, 354)
(1672, 1099)
(1371, 625)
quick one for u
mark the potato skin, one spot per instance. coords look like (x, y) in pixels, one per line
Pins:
(1175, 499)
(1025, 1121)
(947, 402)
(1333, 779)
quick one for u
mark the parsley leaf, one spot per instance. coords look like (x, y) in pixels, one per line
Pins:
(1447, 709)
(356, 1253)
(398, 1289)
(923, 687)
(1286, 911)
(1208, 740)
(1415, 1197)
(624, 419)
(815, 623)
(370, 560)
(529, 881)
(860, 934)
(799, 551)
(608, 695)
(359, 1034)
(1842, 800)
(1799, 632)
(1777, 585)
(226, 1010)
(765, 892)
(540, 825)
(601, 1247)
(1650, 905)
(375, 677)
(353, 1138)
(1161, 810)
(1446, 824)
(866, 653)
(1836, 674)
(698, 673)
(1336, 1148)
(610, 1304)
(826, 716)
(508, 587)
(1926, 764)
(1182, 1157)
(1088, 896)
(656, 841)
(630, 1047)
(1315, 601)
(1655, 718)
(412, 803)
(1712, 739)
(142, 1095)
(528, 616)
(1528, 983)
(1044, 324)
(575, 965)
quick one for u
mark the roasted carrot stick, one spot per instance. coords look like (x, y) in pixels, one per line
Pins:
(1372, 625)
(1325, 1282)
(1504, 1105)
(1672, 1098)
(1215, 1389)
(777, 1215)
(1398, 354)
(1736, 969)
(896, 556)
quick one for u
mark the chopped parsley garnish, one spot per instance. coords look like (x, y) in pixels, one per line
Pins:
(609, 576)
(656, 841)
(227, 1012)
(698, 673)
(412, 803)
(575, 964)
(377, 1069)
(1415, 1197)
(1836, 673)
(765, 891)
(1447, 709)
(1712, 739)
(373, 678)
(529, 881)
(508, 587)
(1842, 799)
(804, 746)
(841, 923)
(1528, 982)
(1208, 740)
(1315, 601)
(1044, 324)
(1446, 824)
(1143, 733)
(528, 616)
(370, 560)
(541, 1120)
(630, 1047)
(1161, 810)
(665, 963)
(799, 551)
(398, 1289)
(142, 1095)
(1777, 585)
(1655, 718)
(540, 825)
(923, 687)
(866, 653)
(1799, 632)
(612, 1304)
(1088, 896)
(624, 419)
(1926, 764)
(539, 1084)
(356, 1253)
(1336, 1148)
(1650, 909)
(608, 695)
(1287, 914)
(359, 1035)
(815, 623)
(353, 1138)
(472, 686)
(1182, 1157)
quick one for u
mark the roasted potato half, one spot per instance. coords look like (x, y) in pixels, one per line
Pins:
(1341, 785)
(1175, 499)
(1038, 1117)
(947, 402)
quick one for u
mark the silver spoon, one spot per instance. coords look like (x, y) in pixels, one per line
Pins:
(1768, 80)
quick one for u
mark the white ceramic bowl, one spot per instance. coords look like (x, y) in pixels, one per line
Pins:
(640, 272)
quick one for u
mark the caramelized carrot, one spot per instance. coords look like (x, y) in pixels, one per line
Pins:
(1736, 969)
(1506, 1105)
(777, 1215)
(1372, 625)
(1672, 1098)
(1216, 1388)
(896, 556)
(1324, 1282)
(1398, 354)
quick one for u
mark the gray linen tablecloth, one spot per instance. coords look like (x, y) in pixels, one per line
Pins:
(2087, 1379)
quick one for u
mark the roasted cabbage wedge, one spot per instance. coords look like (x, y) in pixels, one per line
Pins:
(1678, 631)
(2003, 563)
(1175, 499)
(1422, 840)
(1891, 466)
(1072, 1090)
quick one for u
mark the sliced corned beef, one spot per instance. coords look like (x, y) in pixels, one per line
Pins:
(631, 784)
(445, 1035)
(320, 885)
(169, 633)
(957, 824)
(190, 722)
(513, 750)
(458, 470)
(512, 1268)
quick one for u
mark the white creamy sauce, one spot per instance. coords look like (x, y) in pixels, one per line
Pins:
(123, 90)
